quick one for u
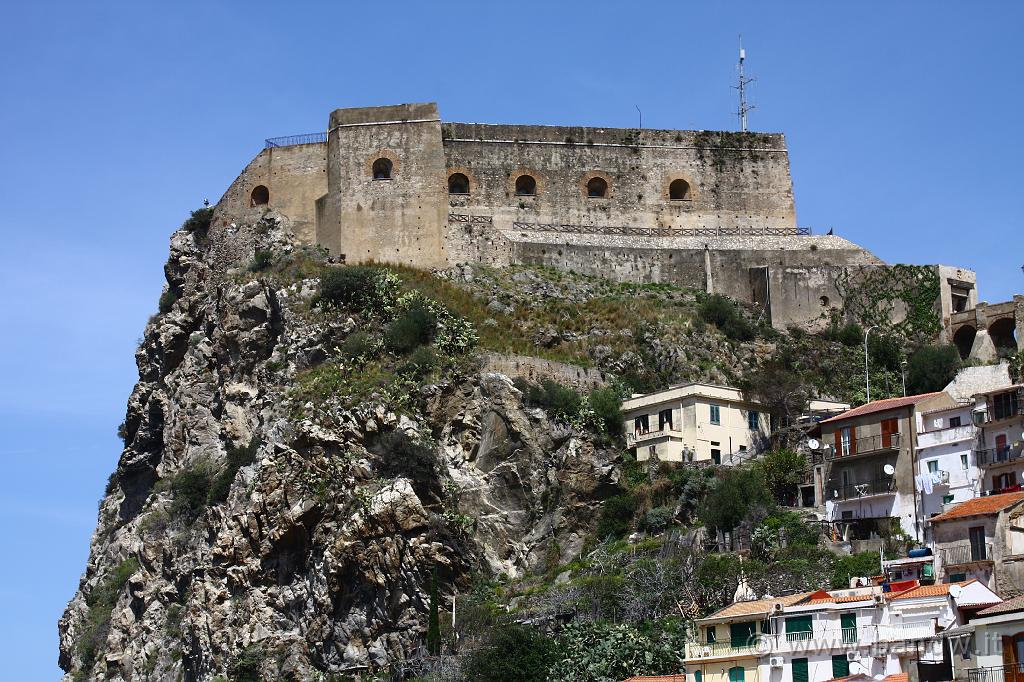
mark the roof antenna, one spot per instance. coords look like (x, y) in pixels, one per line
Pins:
(742, 87)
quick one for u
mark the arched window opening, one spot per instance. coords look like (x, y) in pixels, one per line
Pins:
(458, 184)
(526, 186)
(597, 188)
(679, 190)
(382, 169)
(1002, 332)
(260, 196)
(963, 339)
(824, 301)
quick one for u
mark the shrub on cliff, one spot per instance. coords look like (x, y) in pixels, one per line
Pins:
(616, 515)
(236, 459)
(101, 601)
(607, 406)
(930, 368)
(737, 494)
(415, 327)
(512, 653)
(352, 286)
(191, 488)
(723, 312)
(198, 222)
(560, 401)
(782, 471)
(401, 456)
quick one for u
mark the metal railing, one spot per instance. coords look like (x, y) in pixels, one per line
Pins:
(818, 638)
(293, 140)
(639, 437)
(665, 231)
(882, 486)
(868, 444)
(965, 552)
(999, 673)
(696, 650)
(996, 456)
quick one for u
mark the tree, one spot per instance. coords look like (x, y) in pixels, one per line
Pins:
(782, 471)
(783, 392)
(930, 368)
(434, 622)
(737, 495)
(512, 653)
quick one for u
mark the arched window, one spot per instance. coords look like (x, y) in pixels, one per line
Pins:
(260, 196)
(597, 188)
(382, 169)
(679, 190)
(458, 184)
(526, 186)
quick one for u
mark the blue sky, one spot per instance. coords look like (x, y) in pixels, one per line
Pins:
(118, 118)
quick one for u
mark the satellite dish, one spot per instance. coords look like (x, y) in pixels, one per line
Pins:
(955, 591)
(889, 469)
(813, 444)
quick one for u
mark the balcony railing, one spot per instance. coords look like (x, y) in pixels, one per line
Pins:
(951, 434)
(884, 486)
(293, 140)
(996, 456)
(698, 650)
(999, 673)
(819, 638)
(866, 445)
(966, 552)
(642, 436)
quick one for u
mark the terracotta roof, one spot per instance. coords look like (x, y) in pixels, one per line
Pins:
(1008, 606)
(980, 506)
(896, 677)
(758, 606)
(882, 406)
(937, 590)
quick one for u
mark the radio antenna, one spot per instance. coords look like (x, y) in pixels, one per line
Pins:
(742, 87)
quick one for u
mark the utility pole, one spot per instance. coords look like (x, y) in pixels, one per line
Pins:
(641, 116)
(742, 87)
(867, 375)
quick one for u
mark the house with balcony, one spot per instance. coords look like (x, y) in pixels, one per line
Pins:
(990, 647)
(867, 472)
(999, 417)
(946, 470)
(825, 635)
(703, 424)
(982, 538)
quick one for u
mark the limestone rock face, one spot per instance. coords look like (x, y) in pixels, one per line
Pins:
(311, 560)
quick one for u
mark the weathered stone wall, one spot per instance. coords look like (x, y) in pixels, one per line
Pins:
(395, 220)
(536, 370)
(296, 176)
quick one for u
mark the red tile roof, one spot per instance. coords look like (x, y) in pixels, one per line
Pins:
(980, 506)
(882, 406)
(1008, 606)
(937, 590)
(896, 677)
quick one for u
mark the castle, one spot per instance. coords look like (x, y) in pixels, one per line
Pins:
(709, 210)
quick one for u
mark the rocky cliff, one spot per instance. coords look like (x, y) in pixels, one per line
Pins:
(270, 519)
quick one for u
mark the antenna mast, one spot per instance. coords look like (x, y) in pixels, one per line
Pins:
(742, 87)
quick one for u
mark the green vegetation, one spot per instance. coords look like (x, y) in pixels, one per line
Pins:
(167, 300)
(559, 401)
(723, 312)
(191, 489)
(401, 456)
(246, 666)
(782, 471)
(854, 566)
(512, 653)
(735, 495)
(353, 287)
(262, 260)
(413, 328)
(236, 459)
(101, 601)
(434, 619)
(603, 651)
(930, 368)
(616, 515)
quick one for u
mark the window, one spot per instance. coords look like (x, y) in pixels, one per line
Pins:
(679, 190)
(741, 634)
(597, 188)
(963, 462)
(947, 499)
(382, 169)
(847, 444)
(458, 183)
(641, 425)
(890, 428)
(736, 674)
(840, 666)
(798, 628)
(665, 420)
(712, 636)
(1004, 481)
(1004, 405)
(933, 466)
(848, 625)
(954, 422)
(800, 670)
(977, 537)
(957, 577)
(753, 420)
(716, 414)
(698, 676)
(260, 196)
(526, 186)
(716, 455)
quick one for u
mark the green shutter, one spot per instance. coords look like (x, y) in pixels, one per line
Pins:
(800, 670)
(736, 674)
(798, 628)
(698, 676)
(741, 635)
(848, 622)
(840, 666)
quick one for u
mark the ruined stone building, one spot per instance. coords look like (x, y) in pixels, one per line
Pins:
(710, 210)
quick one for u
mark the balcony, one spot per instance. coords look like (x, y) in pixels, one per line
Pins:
(992, 457)
(871, 445)
(703, 651)
(952, 434)
(644, 436)
(854, 491)
(964, 553)
(999, 673)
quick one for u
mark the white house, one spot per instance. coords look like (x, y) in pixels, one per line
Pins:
(946, 469)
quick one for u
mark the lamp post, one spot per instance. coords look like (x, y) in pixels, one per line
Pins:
(867, 375)
(903, 373)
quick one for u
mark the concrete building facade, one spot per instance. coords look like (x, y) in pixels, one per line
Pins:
(947, 471)
(702, 209)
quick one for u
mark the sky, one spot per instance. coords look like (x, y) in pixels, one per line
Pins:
(120, 117)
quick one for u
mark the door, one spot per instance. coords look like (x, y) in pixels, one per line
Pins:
(741, 635)
(1001, 454)
(840, 666)
(800, 670)
(889, 427)
(848, 623)
(798, 628)
(977, 535)
(736, 674)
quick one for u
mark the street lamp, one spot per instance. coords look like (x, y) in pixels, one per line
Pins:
(867, 376)
(903, 373)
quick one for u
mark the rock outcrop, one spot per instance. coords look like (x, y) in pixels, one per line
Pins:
(248, 528)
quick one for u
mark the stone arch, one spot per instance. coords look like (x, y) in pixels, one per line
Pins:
(963, 339)
(382, 168)
(458, 183)
(526, 186)
(679, 190)
(596, 186)
(1003, 333)
(260, 196)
